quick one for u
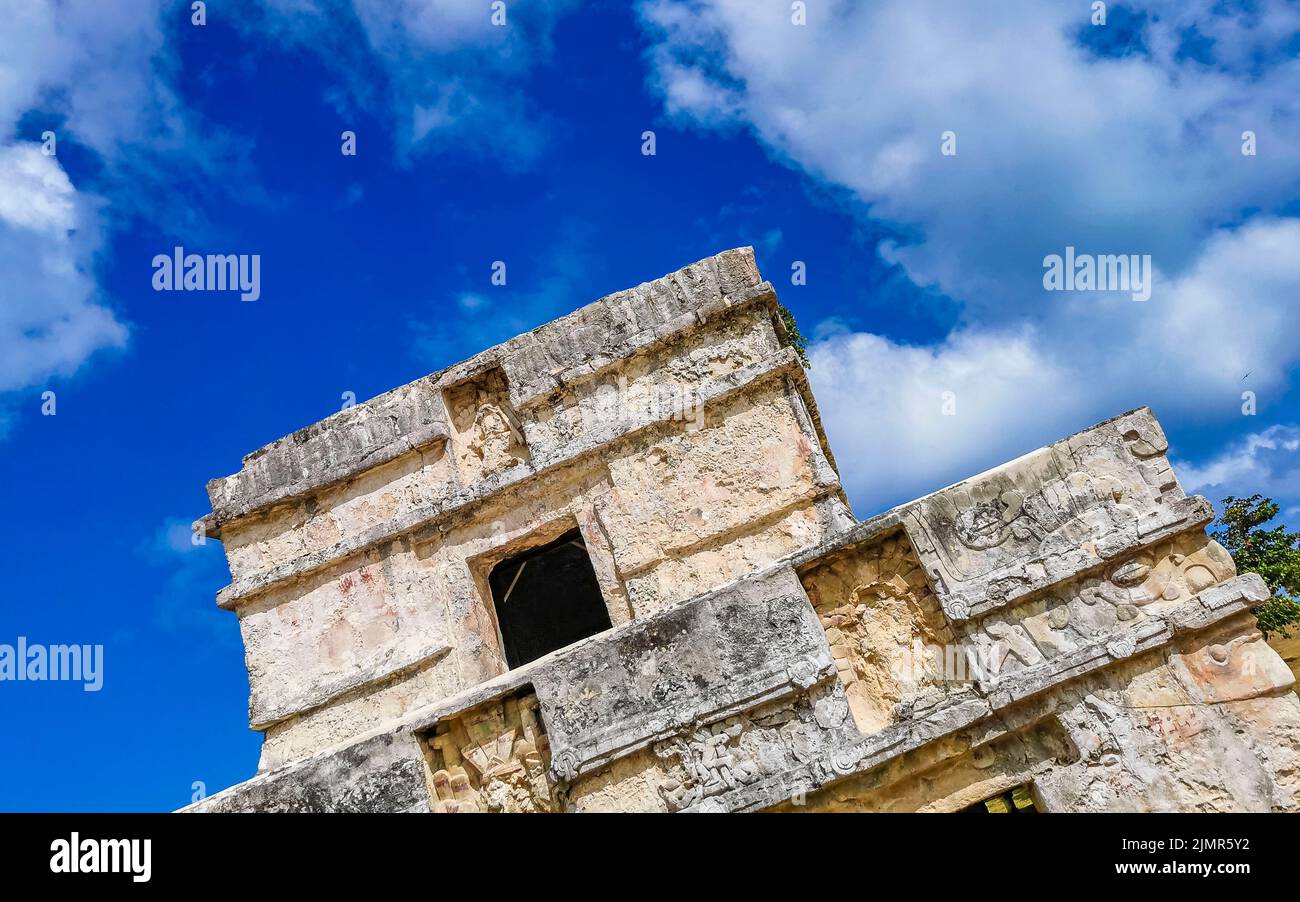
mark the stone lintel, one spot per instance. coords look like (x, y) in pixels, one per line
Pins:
(616, 693)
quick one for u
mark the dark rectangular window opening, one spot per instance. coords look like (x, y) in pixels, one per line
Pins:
(547, 598)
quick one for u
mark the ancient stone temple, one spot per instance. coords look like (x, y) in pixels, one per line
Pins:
(609, 565)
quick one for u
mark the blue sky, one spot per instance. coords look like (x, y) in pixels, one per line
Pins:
(817, 142)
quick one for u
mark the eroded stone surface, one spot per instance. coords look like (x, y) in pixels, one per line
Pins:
(1060, 626)
(493, 759)
(876, 606)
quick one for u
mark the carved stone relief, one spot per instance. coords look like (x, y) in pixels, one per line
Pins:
(880, 618)
(1096, 607)
(755, 751)
(1173, 570)
(493, 758)
(708, 762)
(487, 435)
(1049, 515)
(1019, 507)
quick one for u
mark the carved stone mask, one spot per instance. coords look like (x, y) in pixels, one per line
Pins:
(1131, 573)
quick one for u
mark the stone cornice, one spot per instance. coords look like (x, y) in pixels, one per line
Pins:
(422, 524)
(560, 353)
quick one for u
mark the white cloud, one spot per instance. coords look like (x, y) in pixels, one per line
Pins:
(37, 195)
(884, 404)
(103, 76)
(1230, 314)
(51, 318)
(1265, 462)
(102, 70)
(97, 75)
(1056, 147)
(1185, 351)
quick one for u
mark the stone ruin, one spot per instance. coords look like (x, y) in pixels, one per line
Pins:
(609, 566)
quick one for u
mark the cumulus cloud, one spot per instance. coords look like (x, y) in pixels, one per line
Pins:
(1265, 462)
(1015, 389)
(101, 77)
(51, 316)
(96, 75)
(104, 76)
(1055, 145)
(1063, 140)
(906, 419)
(100, 69)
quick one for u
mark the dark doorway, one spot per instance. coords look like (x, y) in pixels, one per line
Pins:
(547, 598)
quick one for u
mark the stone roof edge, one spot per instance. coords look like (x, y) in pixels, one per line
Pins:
(702, 289)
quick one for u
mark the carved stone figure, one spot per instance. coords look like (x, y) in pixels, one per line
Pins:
(709, 762)
(492, 759)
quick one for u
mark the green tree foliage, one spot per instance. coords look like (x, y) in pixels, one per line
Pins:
(1272, 553)
(797, 340)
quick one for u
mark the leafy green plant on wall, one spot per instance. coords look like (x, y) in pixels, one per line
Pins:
(797, 340)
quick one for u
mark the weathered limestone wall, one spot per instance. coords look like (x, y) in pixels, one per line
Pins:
(1206, 724)
(875, 604)
(670, 424)
(1060, 623)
